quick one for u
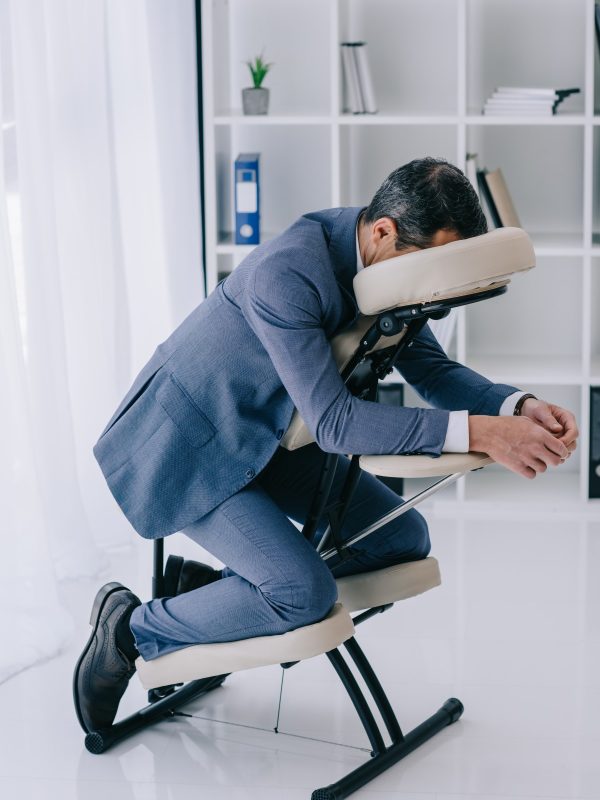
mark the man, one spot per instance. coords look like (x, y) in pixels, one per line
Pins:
(194, 445)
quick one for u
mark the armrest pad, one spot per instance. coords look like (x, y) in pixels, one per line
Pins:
(423, 466)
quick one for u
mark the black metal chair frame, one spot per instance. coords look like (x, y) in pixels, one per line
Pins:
(164, 702)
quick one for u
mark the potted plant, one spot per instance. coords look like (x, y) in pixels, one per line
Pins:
(255, 99)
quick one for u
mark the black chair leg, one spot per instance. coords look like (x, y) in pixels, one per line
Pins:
(446, 715)
(99, 741)
(401, 745)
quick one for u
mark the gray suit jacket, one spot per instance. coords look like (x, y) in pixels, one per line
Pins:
(206, 413)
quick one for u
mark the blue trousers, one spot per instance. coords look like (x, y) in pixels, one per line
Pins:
(274, 580)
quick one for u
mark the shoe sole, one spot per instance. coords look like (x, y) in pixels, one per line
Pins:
(99, 602)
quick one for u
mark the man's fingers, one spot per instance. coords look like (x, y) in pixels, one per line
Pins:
(539, 465)
(567, 420)
(548, 420)
(556, 446)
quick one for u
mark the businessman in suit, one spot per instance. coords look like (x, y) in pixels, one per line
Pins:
(194, 445)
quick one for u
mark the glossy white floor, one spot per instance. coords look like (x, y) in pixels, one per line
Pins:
(514, 632)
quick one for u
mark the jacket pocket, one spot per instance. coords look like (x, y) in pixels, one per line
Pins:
(189, 420)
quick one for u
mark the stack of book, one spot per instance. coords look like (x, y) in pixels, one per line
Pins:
(519, 101)
(359, 97)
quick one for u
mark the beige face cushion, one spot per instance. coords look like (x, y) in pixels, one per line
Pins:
(468, 266)
(439, 273)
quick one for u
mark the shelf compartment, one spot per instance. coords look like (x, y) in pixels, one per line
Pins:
(396, 119)
(235, 118)
(404, 40)
(295, 175)
(546, 191)
(475, 117)
(281, 32)
(557, 243)
(537, 323)
(512, 43)
(369, 153)
(528, 370)
(554, 489)
(225, 265)
(227, 246)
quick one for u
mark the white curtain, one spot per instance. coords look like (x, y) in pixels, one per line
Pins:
(100, 258)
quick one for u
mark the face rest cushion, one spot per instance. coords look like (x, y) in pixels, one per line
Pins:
(450, 270)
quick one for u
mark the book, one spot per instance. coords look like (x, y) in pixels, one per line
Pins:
(517, 110)
(352, 98)
(594, 455)
(471, 170)
(502, 199)
(526, 91)
(247, 198)
(526, 100)
(364, 78)
(488, 200)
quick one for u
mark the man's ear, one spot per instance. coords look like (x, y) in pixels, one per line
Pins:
(384, 227)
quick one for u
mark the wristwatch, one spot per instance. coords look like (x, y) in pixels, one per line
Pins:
(520, 402)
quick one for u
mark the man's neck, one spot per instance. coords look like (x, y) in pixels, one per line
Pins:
(361, 235)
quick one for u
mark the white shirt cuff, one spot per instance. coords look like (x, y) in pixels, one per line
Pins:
(457, 435)
(508, 406)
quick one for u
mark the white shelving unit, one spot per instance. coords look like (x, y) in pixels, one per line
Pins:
(433, 63)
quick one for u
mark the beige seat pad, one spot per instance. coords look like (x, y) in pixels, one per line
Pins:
(423, 466)
(388, 585)
(355, 592)
(204, 660)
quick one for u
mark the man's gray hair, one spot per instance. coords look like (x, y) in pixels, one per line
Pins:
(425, 196)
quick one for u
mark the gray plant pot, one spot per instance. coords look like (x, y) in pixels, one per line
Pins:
(255, 101)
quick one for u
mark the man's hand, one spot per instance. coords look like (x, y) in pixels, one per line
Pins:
(519, 443)
(558, 421)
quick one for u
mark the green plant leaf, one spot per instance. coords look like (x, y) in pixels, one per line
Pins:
(258, 69)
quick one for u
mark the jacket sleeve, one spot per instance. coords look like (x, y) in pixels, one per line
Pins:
(283, 306)
(444, 383)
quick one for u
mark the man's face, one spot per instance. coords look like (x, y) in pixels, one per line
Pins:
(378, 241)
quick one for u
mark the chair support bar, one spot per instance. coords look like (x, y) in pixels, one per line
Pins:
(450, 712)
(358, 700)
(375, 688)
(395, 513)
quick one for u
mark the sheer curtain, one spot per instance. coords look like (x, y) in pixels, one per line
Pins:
(100, 258)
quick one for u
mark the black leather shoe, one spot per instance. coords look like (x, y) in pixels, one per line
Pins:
(183, 576)
(107, 661)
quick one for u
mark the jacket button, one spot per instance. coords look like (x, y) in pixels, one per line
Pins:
(279, 433)
(250, 473)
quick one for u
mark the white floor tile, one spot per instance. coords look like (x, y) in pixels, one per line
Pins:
(514, 632)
